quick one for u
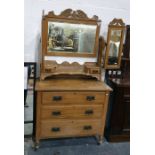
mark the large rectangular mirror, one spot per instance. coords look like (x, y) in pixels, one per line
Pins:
(71, 33)
(67, 37)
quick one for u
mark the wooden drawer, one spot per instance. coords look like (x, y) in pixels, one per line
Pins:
(65, 128)
(72, 111)
(58, 98)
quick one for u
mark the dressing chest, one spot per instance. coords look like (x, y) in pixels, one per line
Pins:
(73, 107)
(71, 99)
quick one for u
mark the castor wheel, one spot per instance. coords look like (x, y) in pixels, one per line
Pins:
(35, 146)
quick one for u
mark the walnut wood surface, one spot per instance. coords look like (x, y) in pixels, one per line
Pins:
(119, 113)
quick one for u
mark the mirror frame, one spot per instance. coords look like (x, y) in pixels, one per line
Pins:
(115, 24)
(73, 17)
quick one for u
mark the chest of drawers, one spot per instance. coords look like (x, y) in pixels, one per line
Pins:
(118, 124)
(70, 108)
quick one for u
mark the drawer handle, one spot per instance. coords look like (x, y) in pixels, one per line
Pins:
(57, 98)
(89, 112)
(55, 129)
(56, 113)
(90, 98)
(87, 127)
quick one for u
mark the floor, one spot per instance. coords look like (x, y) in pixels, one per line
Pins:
(68, 146)
(76, 146)
(28, 114)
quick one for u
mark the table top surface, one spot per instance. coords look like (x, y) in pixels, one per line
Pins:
(71, 85)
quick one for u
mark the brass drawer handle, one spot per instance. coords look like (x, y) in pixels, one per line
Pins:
(90, 98)
(57, 98)
(56, 113)
(87, 127)
(55, 129)
(89, 112)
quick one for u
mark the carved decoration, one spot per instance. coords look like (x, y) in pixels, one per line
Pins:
(117, 22)
(71, 14)
(65, 63)
(51, 13)
(95, 17)
(75, 64)
(66, 13)
(89, 69)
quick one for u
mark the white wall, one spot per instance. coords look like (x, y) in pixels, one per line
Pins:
(106, 10)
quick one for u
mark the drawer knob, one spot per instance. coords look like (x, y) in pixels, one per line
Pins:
(89, 112)
(87, 127)
(55, 129)
(56, 113)
(57, 98)
(90, 98)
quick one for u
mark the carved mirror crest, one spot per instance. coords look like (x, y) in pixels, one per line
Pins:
(114, 44)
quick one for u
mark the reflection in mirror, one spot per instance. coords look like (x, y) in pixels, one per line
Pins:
(114, 46)
(67, 37)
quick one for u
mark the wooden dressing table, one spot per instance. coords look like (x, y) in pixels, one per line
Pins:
(71, 99)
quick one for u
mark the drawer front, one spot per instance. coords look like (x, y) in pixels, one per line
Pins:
(70, 128)
(68, 111)
(58, 98)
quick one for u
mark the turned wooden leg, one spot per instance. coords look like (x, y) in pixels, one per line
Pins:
(36, 145)
(99, 139)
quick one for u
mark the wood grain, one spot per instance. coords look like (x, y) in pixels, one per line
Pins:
(79, 109)
(73, 98)
(71, 85)
(116, 24)
(72, 111)
(69, 128)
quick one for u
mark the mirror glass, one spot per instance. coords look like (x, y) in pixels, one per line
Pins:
(114, 47)
(68, 37)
